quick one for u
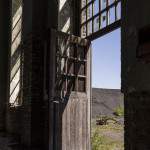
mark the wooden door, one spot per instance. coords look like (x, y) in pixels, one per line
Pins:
(70, 92)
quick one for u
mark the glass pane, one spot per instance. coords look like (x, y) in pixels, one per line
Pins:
(103, 20)
(89, 12)
(96, 7)
(111, 2)
(103, 4)
(119, 11)
(96, 24)
(112, 15)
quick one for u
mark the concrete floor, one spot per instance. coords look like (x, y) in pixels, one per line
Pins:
(7, 142)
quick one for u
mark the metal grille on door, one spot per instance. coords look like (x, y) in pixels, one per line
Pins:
(71, 64)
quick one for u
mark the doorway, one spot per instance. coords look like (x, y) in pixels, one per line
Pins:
(107, 122)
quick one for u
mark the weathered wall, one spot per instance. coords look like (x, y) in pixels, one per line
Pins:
(12, 114)
(27, 120)
(32, 120)
(135, 75)
(33, 73)
(5, 36)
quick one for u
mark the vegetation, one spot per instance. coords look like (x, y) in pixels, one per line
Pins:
(119, 111)
(107, 137)
(104, 120)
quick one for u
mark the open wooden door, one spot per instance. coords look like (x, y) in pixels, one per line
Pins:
(70, 92)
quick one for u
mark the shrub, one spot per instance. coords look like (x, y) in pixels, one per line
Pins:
(119, 111)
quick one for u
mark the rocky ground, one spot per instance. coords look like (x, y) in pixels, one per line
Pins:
(107, 119)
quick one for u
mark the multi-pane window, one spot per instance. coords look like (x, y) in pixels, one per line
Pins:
(97, 15)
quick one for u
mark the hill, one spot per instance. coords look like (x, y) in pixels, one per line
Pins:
(104, 101)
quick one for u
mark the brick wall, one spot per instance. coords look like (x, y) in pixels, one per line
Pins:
(28, 120)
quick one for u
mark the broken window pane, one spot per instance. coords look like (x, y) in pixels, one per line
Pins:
(101, 13)
(96, 24)
(103, 20)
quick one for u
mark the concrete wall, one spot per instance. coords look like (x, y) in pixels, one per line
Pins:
(135, 75)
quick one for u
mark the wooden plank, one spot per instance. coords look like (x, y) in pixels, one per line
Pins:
(72, 124)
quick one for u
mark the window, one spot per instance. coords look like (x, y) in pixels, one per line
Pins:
(99, 15)
(16, 57)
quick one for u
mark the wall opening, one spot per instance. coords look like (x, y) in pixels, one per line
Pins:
(15, 94)
(107, 122)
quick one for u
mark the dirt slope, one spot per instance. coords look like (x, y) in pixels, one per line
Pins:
(104, 101)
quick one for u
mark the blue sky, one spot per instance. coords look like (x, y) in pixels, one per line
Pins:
(106, 61)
